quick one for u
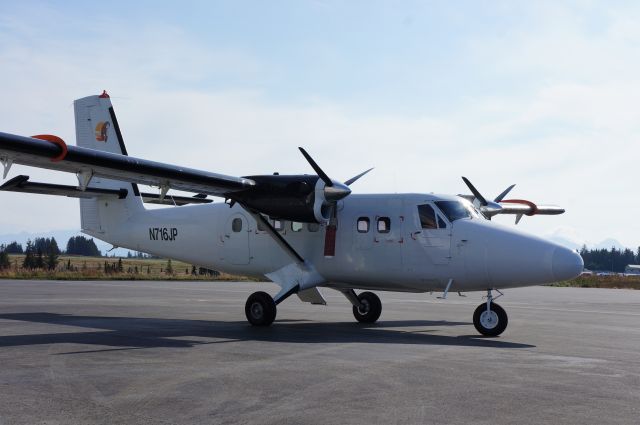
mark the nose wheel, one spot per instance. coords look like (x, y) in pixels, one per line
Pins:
(260, 309)
(489, 318)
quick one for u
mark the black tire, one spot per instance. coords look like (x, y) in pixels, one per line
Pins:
(370, 310)
(489, 326)
(260, 309)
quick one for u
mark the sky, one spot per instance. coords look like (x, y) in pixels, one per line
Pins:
(541, 94)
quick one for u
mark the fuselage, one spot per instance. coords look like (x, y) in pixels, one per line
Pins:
(391, 242)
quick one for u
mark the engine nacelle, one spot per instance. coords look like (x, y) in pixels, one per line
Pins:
(300, 198)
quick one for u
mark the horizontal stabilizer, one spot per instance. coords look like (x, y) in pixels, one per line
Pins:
(23, 185)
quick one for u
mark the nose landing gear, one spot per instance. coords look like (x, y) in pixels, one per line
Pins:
(489, 318)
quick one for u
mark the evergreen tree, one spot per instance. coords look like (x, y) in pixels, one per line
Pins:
(14, 248)
(52, 256)
(29, 257)
(5, 263)
(80, 245)
(169, 267)
(120, 268)
(39, 262)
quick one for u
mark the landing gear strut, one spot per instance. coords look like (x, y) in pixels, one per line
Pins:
(489, 318)
(260, 309)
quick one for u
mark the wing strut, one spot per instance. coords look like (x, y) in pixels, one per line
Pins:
(277, 237)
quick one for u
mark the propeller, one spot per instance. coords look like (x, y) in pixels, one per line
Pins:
(331, 193)
(488, 208)
(333, 190)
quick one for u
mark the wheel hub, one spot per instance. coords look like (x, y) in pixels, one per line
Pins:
(364, 307)
(489, 319)
(256, 310)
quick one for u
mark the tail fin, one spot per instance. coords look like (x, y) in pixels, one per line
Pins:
(97, 128)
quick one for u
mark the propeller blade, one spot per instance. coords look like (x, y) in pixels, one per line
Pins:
(316, 168)
(475, 192)
(503, 194)
(354, 179)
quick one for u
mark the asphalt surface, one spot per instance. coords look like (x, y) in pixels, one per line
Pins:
(176, 352)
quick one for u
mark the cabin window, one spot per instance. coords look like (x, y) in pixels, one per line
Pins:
(427, 216)
(236, 224)
(296, 226)
(441, 223)
(384, 225)
(363, 224)
(278, 225)
(261, 226)
(313, 227)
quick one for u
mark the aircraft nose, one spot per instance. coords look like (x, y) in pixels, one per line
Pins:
(566, 264)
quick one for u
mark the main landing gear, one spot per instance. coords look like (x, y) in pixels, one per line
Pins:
(369, 308)
(489, 318)
(260, 309)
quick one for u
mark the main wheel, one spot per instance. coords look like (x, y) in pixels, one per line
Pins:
(260, 309)
(490, 322)
(369, 309)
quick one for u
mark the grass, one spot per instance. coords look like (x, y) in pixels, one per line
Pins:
(616, 282)
(93, 268)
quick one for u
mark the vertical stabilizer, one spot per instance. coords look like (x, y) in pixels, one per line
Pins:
(97, 128)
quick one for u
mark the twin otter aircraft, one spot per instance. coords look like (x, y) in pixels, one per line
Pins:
(300, 231)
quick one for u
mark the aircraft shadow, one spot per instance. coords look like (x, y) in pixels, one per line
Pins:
(135, 332)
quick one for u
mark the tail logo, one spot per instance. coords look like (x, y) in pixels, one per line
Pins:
(101, 131)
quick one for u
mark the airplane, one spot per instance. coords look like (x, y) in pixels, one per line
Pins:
(302, 232)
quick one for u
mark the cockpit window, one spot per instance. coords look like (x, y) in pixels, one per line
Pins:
(455, 210)
(427, 217)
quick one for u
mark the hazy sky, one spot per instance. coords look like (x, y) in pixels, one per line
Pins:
(541, 94)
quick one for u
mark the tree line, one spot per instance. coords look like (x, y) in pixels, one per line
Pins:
(613, 259)
(77, 245)
(43, 253)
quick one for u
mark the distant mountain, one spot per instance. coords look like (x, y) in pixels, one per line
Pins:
(565, 242)
(608, 244)
(62, 236)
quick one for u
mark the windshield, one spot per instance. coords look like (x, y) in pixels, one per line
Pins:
(455, 210)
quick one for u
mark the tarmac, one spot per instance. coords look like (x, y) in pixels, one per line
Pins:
(111, 352)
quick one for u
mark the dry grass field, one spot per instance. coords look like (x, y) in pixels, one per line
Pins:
(107, 268)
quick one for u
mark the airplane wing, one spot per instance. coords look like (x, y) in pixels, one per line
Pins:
(23, 185)
(51, 152)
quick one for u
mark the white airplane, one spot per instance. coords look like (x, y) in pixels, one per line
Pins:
(302, 232)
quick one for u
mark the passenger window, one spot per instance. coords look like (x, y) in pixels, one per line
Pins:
(278, 225)
(236, 224)
(296, 227)
(363, 224)
(313, 227)
(384, 225)
(427, 216)
(441, 223)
